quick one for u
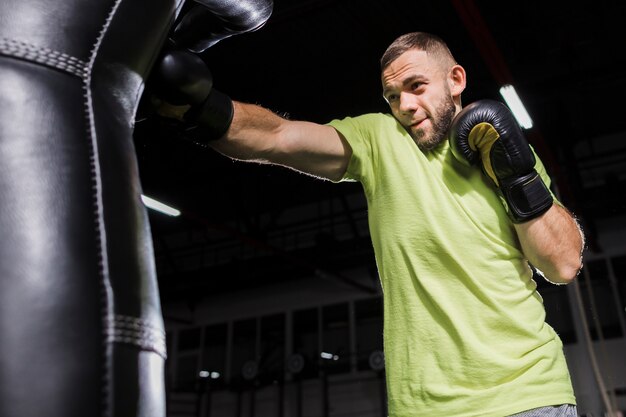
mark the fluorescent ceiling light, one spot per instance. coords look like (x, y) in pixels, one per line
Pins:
(207, 374)
(160, 207)
(516, 106)
(326, 355)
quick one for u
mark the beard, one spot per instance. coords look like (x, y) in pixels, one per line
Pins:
(441, 120)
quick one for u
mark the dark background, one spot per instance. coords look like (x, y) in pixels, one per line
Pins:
(247, 225)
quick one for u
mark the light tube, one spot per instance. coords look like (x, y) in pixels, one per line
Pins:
(516, 106)
(160, 207)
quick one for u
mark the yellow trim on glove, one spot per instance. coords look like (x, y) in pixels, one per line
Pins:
(481, 138)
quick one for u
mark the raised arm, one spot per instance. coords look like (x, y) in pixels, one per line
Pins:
(553, 243)
(486, 133)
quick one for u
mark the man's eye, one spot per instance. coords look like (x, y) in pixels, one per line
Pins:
(392, 97)
(415, 85)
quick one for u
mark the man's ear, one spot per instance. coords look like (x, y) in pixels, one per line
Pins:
(456, 80)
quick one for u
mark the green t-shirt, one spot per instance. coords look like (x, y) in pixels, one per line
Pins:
(464, 327)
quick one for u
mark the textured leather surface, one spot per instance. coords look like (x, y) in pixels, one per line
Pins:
(211, 21)
(80, 320)
(81, 329)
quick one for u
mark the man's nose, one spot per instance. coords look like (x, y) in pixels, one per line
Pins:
(408, 102)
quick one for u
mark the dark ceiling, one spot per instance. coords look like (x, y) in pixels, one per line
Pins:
(247, 225)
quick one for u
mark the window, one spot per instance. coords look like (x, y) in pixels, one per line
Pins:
(214, 354)
(187, 359)
(559, 313)
(189, 339)
(272, 349)
(187, 372)
(336, 339)
(369, 330)
(599, 301)
(306, 342)
(244, 346)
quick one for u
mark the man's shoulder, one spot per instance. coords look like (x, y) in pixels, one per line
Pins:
(365, 121)
(367, 116)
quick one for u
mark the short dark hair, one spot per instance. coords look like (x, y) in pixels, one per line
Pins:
(431, 44)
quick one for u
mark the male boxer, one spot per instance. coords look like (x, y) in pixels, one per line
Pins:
(459, 208)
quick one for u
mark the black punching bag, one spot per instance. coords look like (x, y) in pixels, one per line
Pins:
(81, 330)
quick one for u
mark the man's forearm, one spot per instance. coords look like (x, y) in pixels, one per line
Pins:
(257, 134)
(553, 243)
(252, 133)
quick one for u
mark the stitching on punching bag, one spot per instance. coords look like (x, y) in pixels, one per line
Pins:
(105, 281)
(138, 332)
(45, 56)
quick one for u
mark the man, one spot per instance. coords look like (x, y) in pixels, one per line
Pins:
(464, 328)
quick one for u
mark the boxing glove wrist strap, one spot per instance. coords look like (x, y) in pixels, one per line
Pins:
(526, 197)
(211, 120)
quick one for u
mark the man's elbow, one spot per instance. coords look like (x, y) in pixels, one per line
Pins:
(567, 271)
(569, 276)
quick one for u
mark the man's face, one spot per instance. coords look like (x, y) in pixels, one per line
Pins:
(416, 88)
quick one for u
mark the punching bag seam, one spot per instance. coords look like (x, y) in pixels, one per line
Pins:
(18, 49)
(137, 332)
(105, 283)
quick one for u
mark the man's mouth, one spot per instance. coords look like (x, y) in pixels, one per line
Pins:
(417, 123)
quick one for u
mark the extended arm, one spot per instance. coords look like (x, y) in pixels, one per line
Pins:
(244, 131)
(257, 134)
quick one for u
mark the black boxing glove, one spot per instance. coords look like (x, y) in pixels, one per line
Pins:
(486, 132)
(181, 78)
